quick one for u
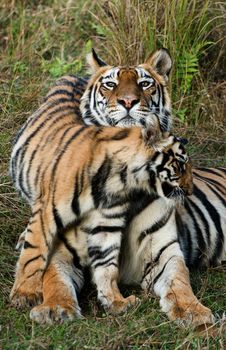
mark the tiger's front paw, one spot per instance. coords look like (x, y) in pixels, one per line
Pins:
(195, 314)
(122, 305)
(27, 292)
(50, 313)
(186, 310)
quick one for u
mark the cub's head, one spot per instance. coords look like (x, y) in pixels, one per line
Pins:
(173, 169)
(128, 96)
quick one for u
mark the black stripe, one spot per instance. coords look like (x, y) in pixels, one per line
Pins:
(113, 201)
(60, 92)
(28, 245)
(75, 283)
(69, 141)
(222, 169)
(65, 82)
(210, 170)
(93, 93)
(122, 134)
(184, 237)
(21, 183)
(102, 263)
(199, 235)
(33, 259)
(112, 263)
(99, 229)
(123, 174)
(99, 180)
(156, 259)
(210, 181)
(83, 80)
(36, 212)
(161, 272)
(97, 253)
(77, 91)
(43, 124)
(202, 217)
(162, 95)
(34, 273)
(118, 215)
(29, 169)
(216, 220)
(75, 201)
(94, 250)
(218, 195)
(139, 200)
(76, 259)
(149, 266)
(39, 171)
(20, 132)
(43, 230)
(46, 108)
(156, 226)
(57, 219)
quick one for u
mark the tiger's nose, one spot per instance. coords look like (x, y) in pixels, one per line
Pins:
(128, 101)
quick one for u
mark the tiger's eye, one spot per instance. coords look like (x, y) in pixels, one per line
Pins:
(110, 84)
(145, 83)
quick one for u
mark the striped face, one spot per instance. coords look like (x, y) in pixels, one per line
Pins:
(174, 171)
(127, 96)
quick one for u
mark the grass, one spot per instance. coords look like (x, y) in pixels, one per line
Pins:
(41, 40)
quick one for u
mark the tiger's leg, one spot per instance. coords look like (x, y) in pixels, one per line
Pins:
(156, 261)
(169, 280)
(104, 242)
(33, 260)
(61, 281)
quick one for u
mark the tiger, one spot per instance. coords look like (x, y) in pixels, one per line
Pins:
(129, 96)
(61, 102)
(170, 176)
(101, 169)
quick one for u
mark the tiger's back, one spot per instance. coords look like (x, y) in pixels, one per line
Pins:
(46, 132)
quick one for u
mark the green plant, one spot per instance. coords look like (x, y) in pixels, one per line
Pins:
(59, 67)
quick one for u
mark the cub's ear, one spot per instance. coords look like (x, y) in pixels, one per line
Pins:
(94, 61)
(182, 140)
(161, 62)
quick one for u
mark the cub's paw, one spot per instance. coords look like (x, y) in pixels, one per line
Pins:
(27, 293)
(47, 313)
(122, 305)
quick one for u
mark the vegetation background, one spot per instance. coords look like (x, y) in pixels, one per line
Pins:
(42, 40)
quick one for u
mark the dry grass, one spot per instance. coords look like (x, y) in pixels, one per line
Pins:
(41, 40)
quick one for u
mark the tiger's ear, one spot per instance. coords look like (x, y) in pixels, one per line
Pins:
(94, 61)
(161, 62)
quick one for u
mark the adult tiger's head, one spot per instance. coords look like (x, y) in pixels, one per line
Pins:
(173, 169)
(126, 96)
